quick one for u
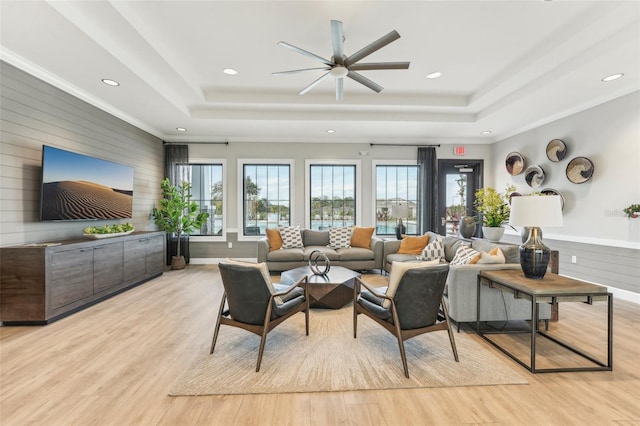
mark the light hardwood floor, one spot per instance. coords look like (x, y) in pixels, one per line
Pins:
(113, 364)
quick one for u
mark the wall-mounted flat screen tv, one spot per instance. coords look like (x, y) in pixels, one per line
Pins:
(80, 187)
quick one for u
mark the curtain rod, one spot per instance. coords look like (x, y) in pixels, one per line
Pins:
(195, 143)
(419, 145)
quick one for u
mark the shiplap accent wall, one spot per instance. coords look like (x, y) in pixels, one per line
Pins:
(34, 113)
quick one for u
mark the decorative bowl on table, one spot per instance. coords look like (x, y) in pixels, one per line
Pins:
(108, 231)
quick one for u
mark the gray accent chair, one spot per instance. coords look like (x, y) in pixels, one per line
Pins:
(257, 306)
(417, 307)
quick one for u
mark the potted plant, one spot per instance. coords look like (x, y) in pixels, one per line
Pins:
(178, 215)
(493, 207)
(633, 211)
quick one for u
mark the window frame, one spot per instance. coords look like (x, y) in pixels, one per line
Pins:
(225, 186)
(240, 182)
(357, 186)
(374, 187)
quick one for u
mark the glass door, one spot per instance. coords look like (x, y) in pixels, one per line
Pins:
(458, 181)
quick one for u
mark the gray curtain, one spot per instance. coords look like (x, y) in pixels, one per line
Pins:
(427, 190)
(176, 163)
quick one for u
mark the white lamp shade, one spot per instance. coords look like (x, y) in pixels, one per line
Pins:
(536, 210)
(399, 210)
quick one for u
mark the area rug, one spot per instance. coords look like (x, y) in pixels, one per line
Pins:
(330, 359)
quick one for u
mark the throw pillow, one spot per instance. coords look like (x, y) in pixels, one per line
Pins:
(397, 271)
(434, 250)
(291, 237)
(494, 256)
(361, 237)
(340, 237)
(274, 238)
(413, 245)
(263, 268)
(465, 255)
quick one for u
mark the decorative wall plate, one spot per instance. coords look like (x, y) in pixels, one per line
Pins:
(550, 191)
(556, 150)
(579, 170)
(515, 163)
(534, 176)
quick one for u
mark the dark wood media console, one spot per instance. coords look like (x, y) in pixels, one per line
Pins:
(40, 284)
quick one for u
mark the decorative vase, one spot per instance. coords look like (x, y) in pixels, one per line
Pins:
(178, 262)
(467, 227)
(493, 234)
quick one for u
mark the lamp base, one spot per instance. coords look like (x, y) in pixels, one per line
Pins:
(534, 256)
(400, 229)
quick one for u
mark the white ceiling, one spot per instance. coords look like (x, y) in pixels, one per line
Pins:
(507, 66)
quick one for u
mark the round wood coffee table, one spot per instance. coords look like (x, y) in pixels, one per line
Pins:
(331, 291)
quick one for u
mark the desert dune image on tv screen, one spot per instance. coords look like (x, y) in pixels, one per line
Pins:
(76, 187)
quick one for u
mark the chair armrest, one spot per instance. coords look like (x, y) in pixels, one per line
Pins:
(373, 290)
(289, 289)
(263, 249)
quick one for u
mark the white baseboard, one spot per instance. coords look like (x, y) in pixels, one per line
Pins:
(216, 260)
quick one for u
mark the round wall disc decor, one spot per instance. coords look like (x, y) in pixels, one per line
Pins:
(534, 176)
(515, 163)
(579, 170)
(556, 150)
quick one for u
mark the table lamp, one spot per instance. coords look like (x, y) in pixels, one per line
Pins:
(535, 211)
(399, 211)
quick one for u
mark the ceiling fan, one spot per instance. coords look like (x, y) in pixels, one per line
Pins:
(341, 66)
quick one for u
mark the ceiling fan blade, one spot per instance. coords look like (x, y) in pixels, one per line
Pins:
(337, 39)
(339, 89)
(365, 81)
(380, 66)
(368, 50)
(302, 70)
(304, 52)
(314, 84)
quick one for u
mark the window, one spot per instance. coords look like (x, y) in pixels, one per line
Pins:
(266, 195)
(332, 195)
(396, 185)
(208, 191)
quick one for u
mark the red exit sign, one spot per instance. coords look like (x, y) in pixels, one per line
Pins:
(458, 150)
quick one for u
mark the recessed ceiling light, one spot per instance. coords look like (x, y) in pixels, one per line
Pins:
(181, 129)
(331, 131)
(485, 132)
(612, 77)
(434, 74)
(229, 71)
(110, 82)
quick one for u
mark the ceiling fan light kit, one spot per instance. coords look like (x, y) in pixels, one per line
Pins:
(341, 66)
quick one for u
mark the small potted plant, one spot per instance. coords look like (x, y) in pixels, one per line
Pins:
(633, 211)
(493, 207)
(177, 214)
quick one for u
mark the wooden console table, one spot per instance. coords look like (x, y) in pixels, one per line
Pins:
(551, 289)
(41, 283)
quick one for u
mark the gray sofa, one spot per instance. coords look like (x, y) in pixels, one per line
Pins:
(462, 285)
(355, 258)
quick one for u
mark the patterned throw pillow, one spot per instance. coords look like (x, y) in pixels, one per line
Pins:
(434, 250)
(494, 256)
(340, 237)
(465, 255)
(291, 237)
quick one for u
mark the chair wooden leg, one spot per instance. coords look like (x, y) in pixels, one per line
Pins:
(449, 330)
(398, 333)
(217, 329)
(265, 331)
(355, 321)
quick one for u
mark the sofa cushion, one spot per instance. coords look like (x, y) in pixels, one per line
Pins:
(291, 237)
(340, 237)
(434, 250)
(494, 256)
(511, 252)
(413, 245)
(465, 255)
(286, 255)
(355, 253)
(361, 237)
(397, 271)
(395, 257)
(311, 237)
(331, 253)
(274, 238)
(451, 245)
